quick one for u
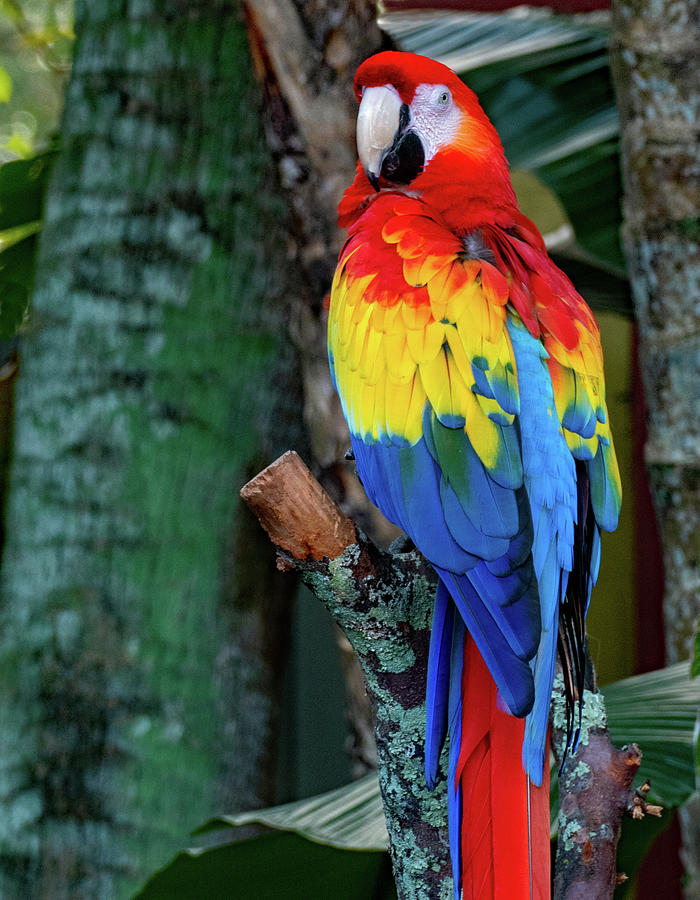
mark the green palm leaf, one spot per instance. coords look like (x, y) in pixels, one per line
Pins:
(307, 854)
(660, 711)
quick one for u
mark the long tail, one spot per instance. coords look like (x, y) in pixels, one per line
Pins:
(498, 818)
(505, 819)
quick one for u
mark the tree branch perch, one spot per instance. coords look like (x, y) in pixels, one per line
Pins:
(383, 602)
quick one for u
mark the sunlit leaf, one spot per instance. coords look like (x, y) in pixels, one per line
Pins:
(350, 817)
(22, 188)
(5, 86)
(16, 278)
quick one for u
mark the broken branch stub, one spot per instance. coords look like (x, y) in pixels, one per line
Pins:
(595, 793)
(295, 511)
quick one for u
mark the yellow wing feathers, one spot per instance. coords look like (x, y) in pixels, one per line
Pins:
(393, 351)
(415, 317)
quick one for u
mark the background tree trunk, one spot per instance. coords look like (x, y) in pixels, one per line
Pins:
(654, 60)
(306, 54)
(157, 376)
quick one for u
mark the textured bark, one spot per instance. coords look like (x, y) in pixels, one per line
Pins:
(654, 57)
(383, 603)
(306, 54)
(656, 74)
(595, 793)
(156, 376)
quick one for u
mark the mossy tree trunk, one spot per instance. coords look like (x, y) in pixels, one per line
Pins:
(654, 56)
(138, 656)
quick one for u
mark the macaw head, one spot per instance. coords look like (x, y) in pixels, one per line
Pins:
(420, 128)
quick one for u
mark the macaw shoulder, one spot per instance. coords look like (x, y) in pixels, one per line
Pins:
(416, 316)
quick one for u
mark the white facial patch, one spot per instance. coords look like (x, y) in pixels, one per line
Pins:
(435, 117)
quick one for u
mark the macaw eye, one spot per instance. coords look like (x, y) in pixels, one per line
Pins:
(444, 98)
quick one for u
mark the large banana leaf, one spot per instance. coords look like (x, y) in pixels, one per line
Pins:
(350, 817)
(660, 711)
(337, 839)
(307, 854)
(544, 80)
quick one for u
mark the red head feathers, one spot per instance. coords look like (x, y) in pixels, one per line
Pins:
(423, 130)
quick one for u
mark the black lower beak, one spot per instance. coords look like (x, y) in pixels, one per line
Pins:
(405, 160)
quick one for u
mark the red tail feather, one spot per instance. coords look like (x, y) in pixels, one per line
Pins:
(496, 853)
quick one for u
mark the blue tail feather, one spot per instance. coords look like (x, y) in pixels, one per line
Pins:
(454, 790)
(438, 681)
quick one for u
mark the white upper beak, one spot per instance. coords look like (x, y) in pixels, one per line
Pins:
(377, 124)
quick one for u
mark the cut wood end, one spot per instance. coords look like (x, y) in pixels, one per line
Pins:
(296, 512)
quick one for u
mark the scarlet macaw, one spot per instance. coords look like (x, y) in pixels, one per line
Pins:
(470, 373)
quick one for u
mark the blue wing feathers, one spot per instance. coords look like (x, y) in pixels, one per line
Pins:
(509, 470)
(381, 482)
(420, 480)
(489, 505)
(606, 504)
(481, 382)
(465, 532)
(517, 615)
(550, 482)
(580, 415)
(520, 546)
(500, 539)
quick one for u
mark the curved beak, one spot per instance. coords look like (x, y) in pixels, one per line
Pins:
(378, 124)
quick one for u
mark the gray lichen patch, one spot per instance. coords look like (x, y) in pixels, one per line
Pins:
(593, 714)
(384, 604)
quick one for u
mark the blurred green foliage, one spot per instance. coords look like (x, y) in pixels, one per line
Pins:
(36, 38)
